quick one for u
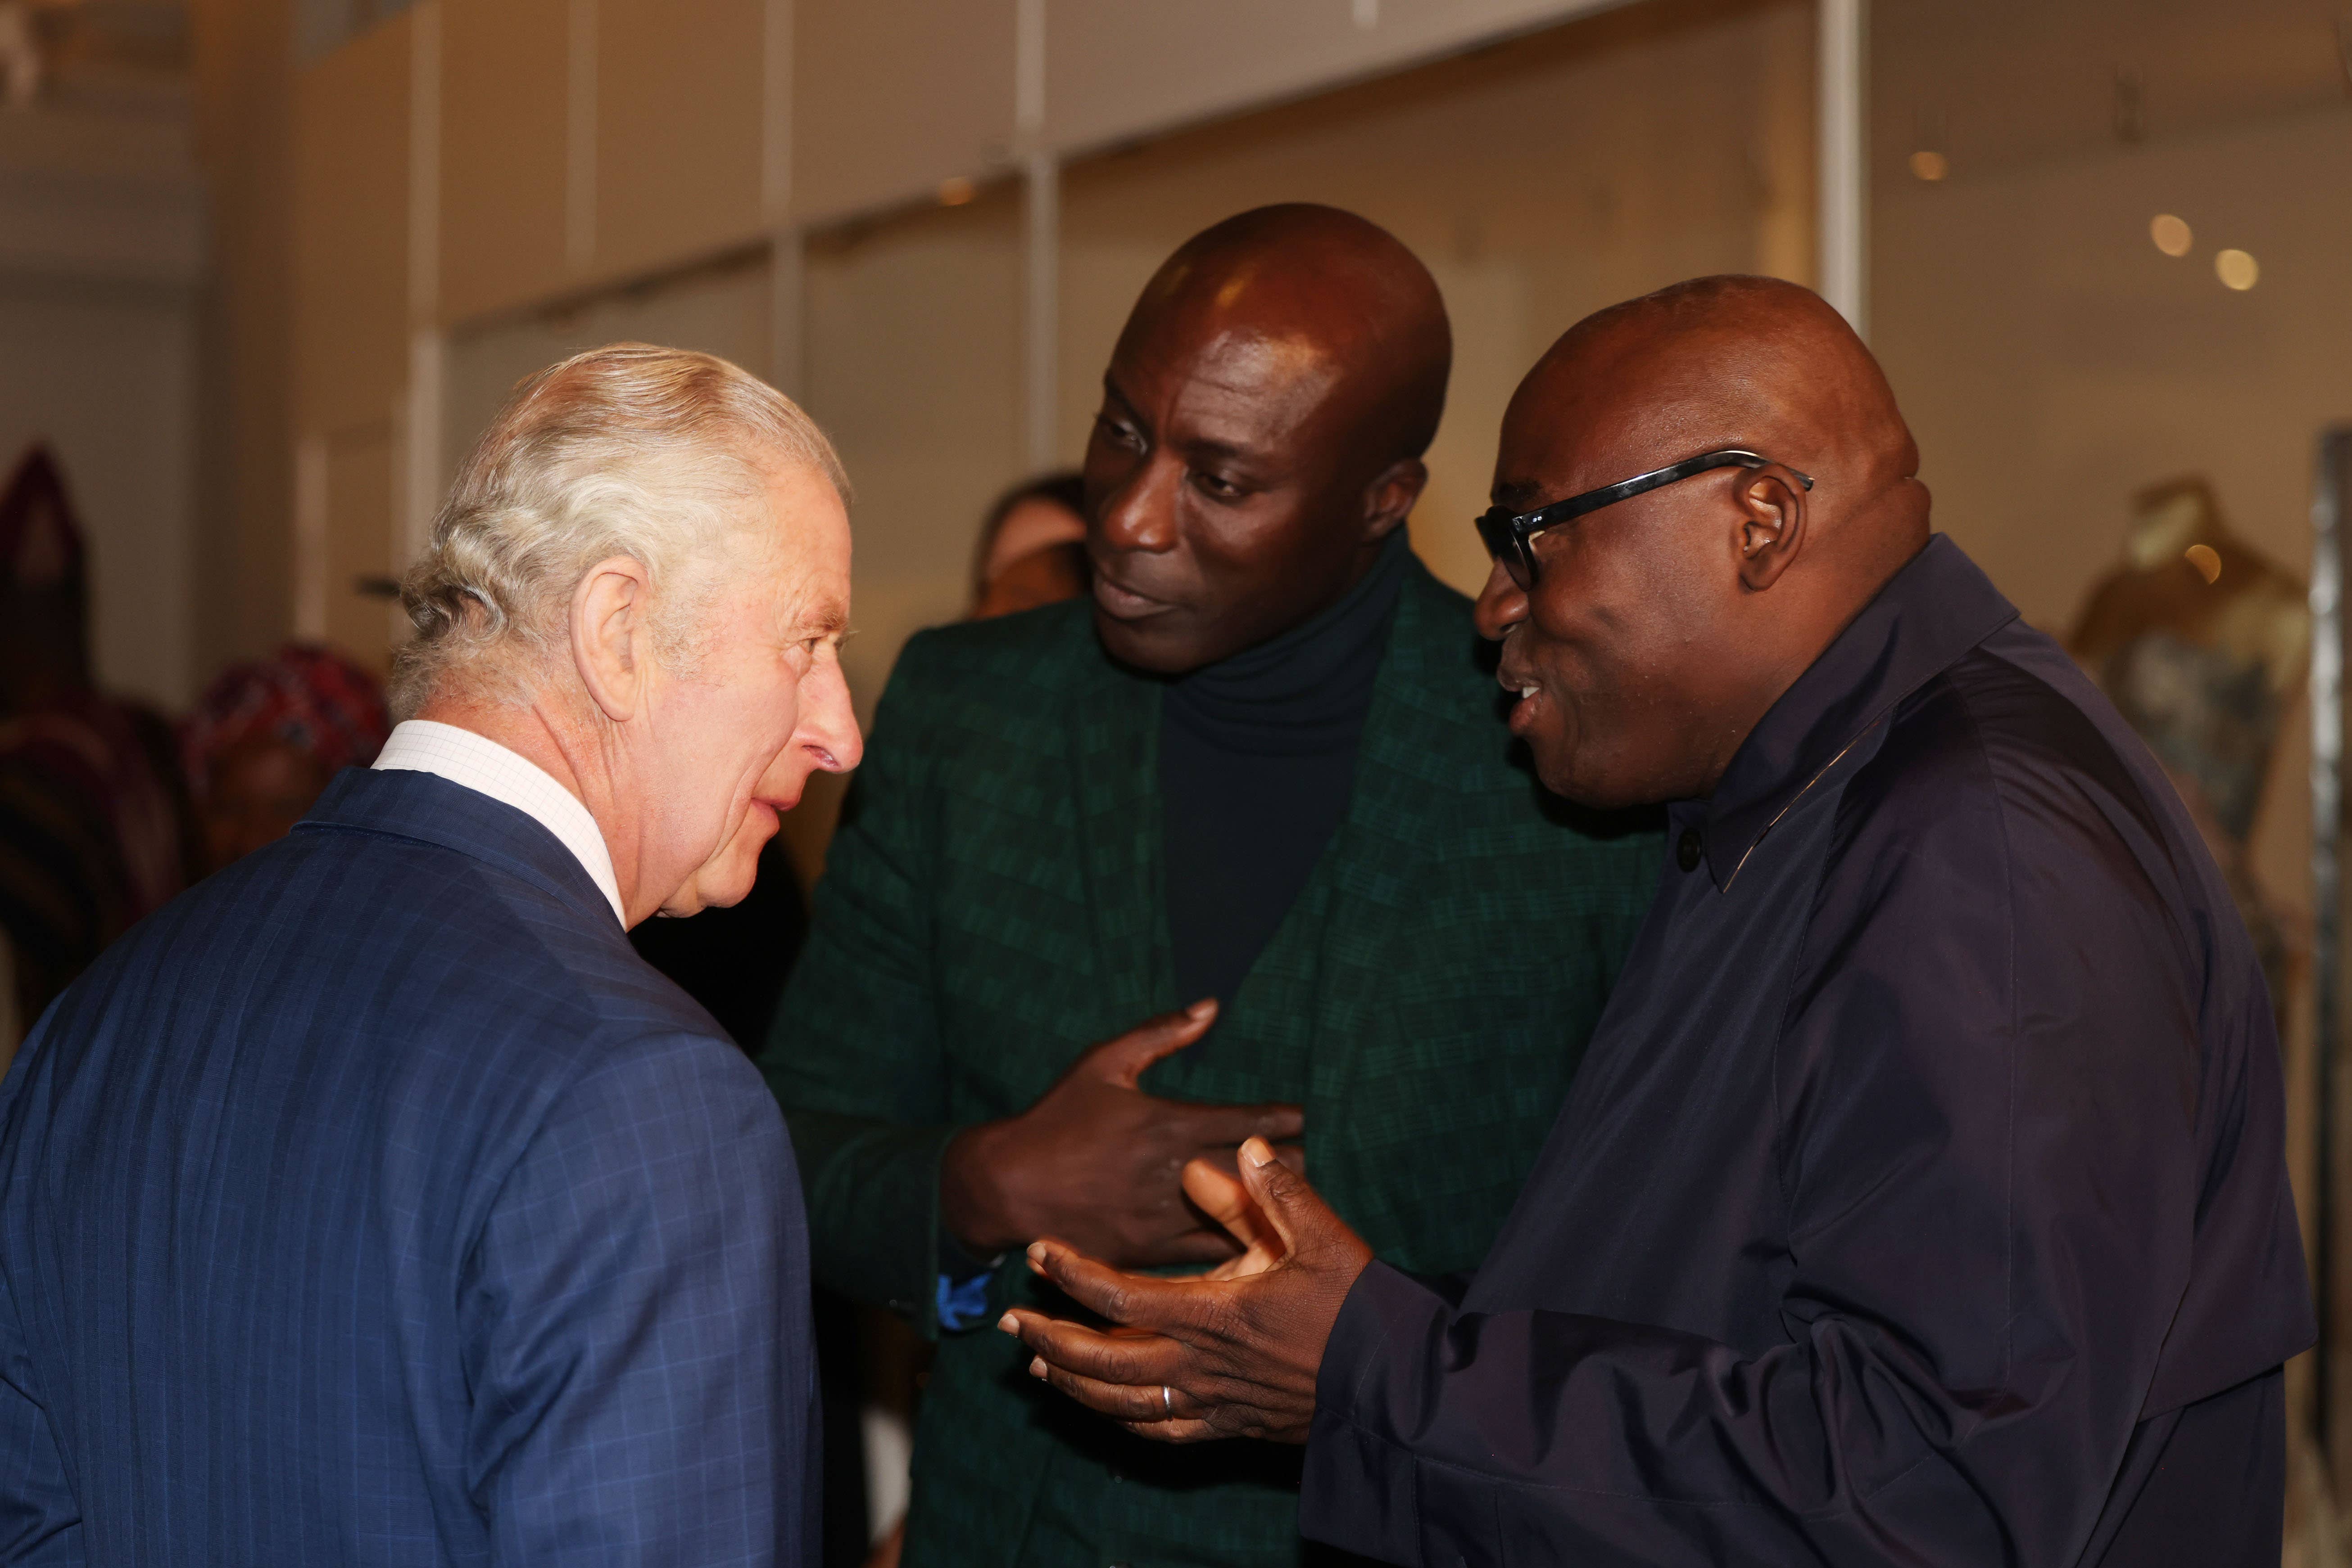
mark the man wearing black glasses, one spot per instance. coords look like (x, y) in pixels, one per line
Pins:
(1235, 849)
(1923, 1196)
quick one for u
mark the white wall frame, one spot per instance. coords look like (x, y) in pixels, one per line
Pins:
(1843, 93)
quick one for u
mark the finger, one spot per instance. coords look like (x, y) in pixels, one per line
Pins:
(1134, 1298)
(1291, 1206)
(1150, 1418)
(1219, 1193)
(1132, 1359)
(1122, 1061)
(1223, 1126)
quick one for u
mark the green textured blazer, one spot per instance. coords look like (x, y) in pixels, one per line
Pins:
(993, 906)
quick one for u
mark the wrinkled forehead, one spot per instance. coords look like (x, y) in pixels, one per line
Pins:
(799, 554)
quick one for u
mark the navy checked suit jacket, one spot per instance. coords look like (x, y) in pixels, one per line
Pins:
(373, 1203)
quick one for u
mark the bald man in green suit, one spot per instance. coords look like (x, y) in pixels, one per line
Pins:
(1237, 846)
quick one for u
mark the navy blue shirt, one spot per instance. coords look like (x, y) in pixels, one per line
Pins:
(1923, 1194)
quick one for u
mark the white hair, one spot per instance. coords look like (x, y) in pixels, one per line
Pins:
(654, 454)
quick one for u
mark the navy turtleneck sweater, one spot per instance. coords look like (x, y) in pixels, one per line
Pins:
(1257, 754)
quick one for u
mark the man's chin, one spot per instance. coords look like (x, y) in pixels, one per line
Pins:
(727, 878)
(1156, 644)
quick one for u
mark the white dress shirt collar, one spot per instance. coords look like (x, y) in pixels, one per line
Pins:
(482, 766)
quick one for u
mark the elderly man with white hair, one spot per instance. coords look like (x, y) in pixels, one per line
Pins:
(373, 1203)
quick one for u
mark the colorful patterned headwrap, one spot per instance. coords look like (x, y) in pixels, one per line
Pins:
(311, 698)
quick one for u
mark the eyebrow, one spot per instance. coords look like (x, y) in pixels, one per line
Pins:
(1518, 495)
(830, 618)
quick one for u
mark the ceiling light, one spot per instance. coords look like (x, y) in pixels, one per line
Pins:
(2236, 269)
(2171, 234)
(1930, 166)
(2206, 559)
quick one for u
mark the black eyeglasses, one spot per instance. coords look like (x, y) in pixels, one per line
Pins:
(1509, 535)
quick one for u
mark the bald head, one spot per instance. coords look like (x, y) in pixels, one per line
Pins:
(1735, 361)
(1660, 629)
(1338, 296)
(1263, 418)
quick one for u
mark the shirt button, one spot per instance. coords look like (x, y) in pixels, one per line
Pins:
(1687, 851)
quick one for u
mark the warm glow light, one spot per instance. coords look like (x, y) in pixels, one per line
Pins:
(2207, 560)
(2171, 235)
(954, 193)
(2236, 269)
(1930, 166)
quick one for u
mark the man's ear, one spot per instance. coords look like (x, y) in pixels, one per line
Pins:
(1389, 500)
(612, 644)
(1772, 514)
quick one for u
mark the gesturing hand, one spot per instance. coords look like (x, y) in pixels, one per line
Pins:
(1100, 1162)
(1191, 1359)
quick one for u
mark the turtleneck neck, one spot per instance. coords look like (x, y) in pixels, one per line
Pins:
(1257, 755)
(1306, 690)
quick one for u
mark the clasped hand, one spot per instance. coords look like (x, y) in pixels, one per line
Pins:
(1233, 1353)
(1100, 1164)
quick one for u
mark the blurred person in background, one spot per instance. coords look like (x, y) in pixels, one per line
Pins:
(1033, 547)
(267, 735)
(1252, 781)
(95, 832)
(373, 1203)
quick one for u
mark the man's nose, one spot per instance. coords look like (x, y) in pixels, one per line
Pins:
(1502, 603)
(830, 722)
(1141, 514)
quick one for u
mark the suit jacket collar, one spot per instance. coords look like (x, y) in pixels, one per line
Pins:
(432, 810)
(1937, 608)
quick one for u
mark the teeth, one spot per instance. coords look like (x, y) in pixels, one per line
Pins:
(1527, 691)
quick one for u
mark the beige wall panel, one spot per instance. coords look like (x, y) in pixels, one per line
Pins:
(350, 230)
(1529, 217)
(106, 375)
(1117, 68)
(242, 100)
(502, 152)
(360, 543)
(677, 129)
(890, 96)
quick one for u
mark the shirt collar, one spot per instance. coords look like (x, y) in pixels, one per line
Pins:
(1929, 614)
(481, 764)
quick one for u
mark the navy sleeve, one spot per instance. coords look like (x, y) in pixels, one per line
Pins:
(40, 1523)
(1991, 1091)
(635, 1326)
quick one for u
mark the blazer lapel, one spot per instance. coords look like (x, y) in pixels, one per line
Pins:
(1376, 855)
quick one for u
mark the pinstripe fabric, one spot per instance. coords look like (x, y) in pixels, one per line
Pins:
(993, 906)
(373, 1203)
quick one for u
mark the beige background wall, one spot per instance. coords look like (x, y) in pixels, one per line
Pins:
(105, 374)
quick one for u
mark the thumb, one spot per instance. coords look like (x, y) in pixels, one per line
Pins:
(1122, 1061)
(1289, 1204)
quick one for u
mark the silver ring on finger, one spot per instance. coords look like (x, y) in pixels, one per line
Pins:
(1168, 1401)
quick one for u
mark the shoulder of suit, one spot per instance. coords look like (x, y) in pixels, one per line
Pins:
(1008, 662)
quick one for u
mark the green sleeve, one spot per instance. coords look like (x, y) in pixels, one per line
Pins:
(855, 1057)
